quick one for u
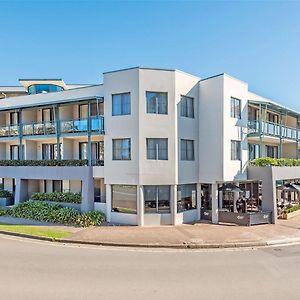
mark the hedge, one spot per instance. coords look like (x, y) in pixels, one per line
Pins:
(44, 163)
(5, 194)
(58, 197)
(291, 209)
(276, 162)
(54, 213)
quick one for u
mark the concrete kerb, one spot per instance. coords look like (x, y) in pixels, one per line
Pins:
(169, 246)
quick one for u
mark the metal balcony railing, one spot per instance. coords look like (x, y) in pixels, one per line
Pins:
(273, 129)
(48, 128)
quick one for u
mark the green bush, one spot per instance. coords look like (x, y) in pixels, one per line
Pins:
(280, 162)
(58, 197)
(292, 209)
(44, 163)
(54, 213)
(5, 194)
(3, 211)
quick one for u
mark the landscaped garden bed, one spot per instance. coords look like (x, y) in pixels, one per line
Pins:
(54, 213)
(291, 212)
(275, 162)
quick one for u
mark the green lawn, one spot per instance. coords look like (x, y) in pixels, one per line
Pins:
(35, 230)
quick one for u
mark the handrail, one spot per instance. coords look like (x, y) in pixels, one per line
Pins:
(50, 127)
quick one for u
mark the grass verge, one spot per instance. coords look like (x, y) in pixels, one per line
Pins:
(36, 231)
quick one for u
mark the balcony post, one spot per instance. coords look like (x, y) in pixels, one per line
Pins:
(57, 127)
(260, 130)
(297, 138)
(20, 128)
(89, 135)
(280, 145)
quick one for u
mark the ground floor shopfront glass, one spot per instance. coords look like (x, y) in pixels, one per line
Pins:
(157, 199)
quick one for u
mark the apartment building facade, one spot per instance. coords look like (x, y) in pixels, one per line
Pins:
(148, 146)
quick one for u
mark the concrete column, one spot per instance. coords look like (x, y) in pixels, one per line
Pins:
(87, 194)
(140, 205)
(198, 201)
(214, 204)
(108, 202)
(21, 193)
(173, 204)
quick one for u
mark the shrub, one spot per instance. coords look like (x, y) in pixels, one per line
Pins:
(5, 194)
(3, 211)
(54, 213)
(280, 162)
(44, 163)
(91, 218)
(58, 197)
(292, 209)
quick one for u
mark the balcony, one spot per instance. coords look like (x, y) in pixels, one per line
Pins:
(273, 129)
(49, 128)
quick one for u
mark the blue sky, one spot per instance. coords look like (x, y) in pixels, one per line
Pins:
(258, 42)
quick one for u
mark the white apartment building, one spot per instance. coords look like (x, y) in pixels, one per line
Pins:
(148, 146)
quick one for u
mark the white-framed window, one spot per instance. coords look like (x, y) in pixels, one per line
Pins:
(124, 199)
(272, 151)
(121, 104)
(121, 149)
(157, 148)
(254, 150)
(235, 150)
(157, 199)
(157, 103)
(235, 108)
(187, 150)
(187, 107)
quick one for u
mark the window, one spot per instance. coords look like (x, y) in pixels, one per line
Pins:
(44, 88)
(253, 151)
(272, 151)
(14, 152)
(186, 197)
(157, 149)
(14, 118)
(121, 149)
(124, 199)
(47, 115)
(235, 150)
(121, 104)
(157, 103)
(187, 150)
(49, 151)
(97, 152)
(187, 107)
(99, 187)
(157, 199)
(235, 108)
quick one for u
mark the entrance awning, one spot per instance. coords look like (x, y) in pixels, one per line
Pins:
(229, 187)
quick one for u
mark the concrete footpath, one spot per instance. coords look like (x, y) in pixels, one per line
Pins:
(198, 235)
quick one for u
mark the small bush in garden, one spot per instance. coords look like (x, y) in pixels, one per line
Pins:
(3, 211)
(58, 197)
(5, 194)
(91, 218)
(276, 162)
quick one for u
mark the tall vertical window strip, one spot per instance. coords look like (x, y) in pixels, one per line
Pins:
(124, 199)
(187, 150)
(157, 103)
(157, 149)
(121, 104)
(186, 197)
(254, 150)
(235, 108)
(235, 150)
(187, 107)
(157, 199)
(121, 149)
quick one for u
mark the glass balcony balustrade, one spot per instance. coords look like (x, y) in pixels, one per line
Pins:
(49, 128)
(273, 129)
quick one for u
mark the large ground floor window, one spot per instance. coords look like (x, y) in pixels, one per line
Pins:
(157, 199)
(186, 197)
(124, 199)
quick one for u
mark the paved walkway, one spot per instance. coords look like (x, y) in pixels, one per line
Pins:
(198, 234)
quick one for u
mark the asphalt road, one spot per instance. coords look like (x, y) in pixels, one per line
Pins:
(41, 270)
